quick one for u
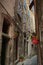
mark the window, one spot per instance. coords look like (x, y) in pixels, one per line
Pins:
(5, 26)
(24, 34)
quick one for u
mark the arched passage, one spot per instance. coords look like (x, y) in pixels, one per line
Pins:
(5, 40)
(9, 41)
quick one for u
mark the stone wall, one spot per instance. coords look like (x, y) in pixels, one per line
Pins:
(9, 5)
(39, 26)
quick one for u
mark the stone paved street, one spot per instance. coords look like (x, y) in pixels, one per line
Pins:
(32, 61)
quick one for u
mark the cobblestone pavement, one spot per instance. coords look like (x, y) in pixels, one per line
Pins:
(32, 61)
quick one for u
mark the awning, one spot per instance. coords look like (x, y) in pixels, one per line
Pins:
(31, 4)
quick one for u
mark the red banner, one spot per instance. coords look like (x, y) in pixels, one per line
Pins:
(35, 40)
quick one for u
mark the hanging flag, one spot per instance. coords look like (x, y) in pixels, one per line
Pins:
(35, 40)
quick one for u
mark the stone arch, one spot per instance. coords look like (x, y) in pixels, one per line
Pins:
(8, 36)
(5, 37)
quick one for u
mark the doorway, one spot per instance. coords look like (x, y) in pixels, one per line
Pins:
(5, 40)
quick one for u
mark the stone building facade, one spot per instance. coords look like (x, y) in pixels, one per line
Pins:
(11, 34)
(39, 21)
(40, 18)
(39, 27)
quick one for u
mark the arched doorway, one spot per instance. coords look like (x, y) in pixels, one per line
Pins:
(9, 42)
(5, 40)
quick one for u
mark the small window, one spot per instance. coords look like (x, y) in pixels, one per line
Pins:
(24, 41)
(24, 34)
(5, 26)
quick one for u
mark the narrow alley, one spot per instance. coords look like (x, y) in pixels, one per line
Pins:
(21, 32)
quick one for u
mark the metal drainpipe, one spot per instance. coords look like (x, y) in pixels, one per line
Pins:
(37, 30)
